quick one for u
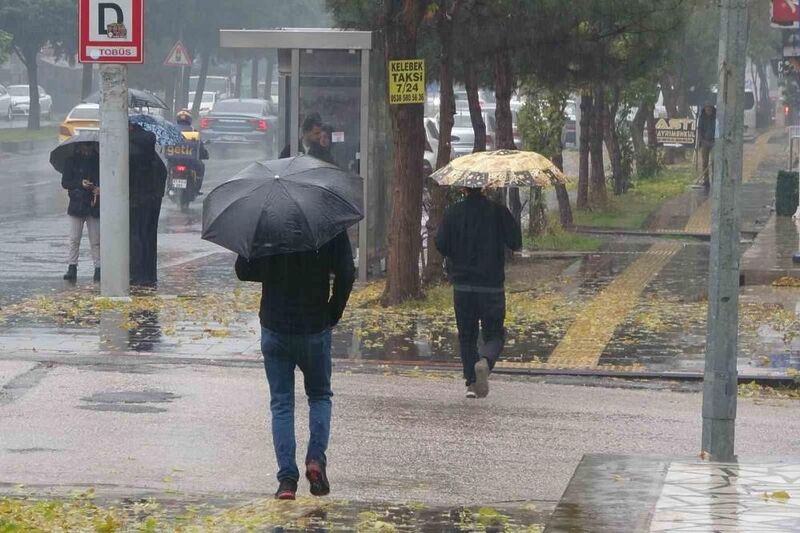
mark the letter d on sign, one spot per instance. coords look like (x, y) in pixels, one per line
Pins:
(102, 27)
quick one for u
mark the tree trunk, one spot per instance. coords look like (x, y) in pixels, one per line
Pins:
(268, 77)
(537, 221)
(254, 77)
(637, 134)
(86, 80)
(562, 195)
(612, 142)
(402, 273)
(237, 89)
(434, 272)
(587, 105)
(29, 57)
(504, 86)
(475, 111)
(598, 197)
(650, 118)
(201, 84)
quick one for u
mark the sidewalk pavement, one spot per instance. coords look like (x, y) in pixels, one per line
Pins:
(633, 494)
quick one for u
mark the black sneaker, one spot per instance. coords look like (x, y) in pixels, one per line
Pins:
(286, 490)
(315, 473)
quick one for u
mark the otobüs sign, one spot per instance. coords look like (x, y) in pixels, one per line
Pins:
(110, 31)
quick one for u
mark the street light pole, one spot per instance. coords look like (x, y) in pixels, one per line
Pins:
(720, 380)
(114, 206)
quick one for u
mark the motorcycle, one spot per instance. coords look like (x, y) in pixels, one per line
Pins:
(186, 169)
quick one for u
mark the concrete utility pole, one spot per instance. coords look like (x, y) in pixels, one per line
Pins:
(720, 381)
(114, 206)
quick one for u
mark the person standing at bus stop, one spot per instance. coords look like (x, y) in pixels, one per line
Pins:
(706, 135)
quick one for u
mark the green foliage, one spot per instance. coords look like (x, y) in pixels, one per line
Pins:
(786, 194)
(631, 210)
(557, 239)
(5, 46)
(541, 120)
(34, 23)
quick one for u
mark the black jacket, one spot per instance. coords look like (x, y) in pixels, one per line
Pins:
(473, 237)
(76, 169)
(147, 180)
(707, 128)
(296, 297)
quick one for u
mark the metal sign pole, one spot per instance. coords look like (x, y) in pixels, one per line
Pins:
(114, 208)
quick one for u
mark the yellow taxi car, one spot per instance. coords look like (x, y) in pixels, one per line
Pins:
(82, 117)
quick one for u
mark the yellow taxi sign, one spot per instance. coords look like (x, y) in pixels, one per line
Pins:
(407, 81)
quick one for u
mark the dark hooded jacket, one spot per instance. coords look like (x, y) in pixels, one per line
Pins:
(76, 169)
(707, 127)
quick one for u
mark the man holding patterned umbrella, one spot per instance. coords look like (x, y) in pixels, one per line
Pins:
(474, 236)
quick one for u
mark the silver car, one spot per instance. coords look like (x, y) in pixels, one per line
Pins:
(21, 101)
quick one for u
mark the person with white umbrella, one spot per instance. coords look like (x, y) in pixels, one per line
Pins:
(474, 236)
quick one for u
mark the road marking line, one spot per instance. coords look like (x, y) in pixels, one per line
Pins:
(593, 328)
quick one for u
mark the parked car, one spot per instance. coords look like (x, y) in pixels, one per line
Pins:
(21, 101)
(242, 122)
(5, 103)
(206, 103)
(462, 128)
(83, 117)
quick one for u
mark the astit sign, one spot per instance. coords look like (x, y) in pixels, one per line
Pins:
(111, 32)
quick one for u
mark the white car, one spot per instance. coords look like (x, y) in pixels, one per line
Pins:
(207, 102)
(5, 103)
(21, 102)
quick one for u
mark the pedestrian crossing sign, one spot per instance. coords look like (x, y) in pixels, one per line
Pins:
(178, 56)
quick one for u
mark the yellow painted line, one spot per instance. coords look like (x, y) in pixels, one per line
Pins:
(700, 221)
(586, 339)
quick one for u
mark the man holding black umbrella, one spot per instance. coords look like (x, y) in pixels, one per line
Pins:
(297, 313)
(287, 220)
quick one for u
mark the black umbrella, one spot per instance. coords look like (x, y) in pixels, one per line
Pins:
(65, 150)
(136, 98)
(142, 143)
(287, 205)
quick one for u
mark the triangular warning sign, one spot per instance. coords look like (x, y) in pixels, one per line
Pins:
(178, 56)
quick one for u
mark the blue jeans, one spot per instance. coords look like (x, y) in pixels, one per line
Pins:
(312, 354)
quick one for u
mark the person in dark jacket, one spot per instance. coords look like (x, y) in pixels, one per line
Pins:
(311, 132)
(298, 310)
(147, 181)
(706, 136)
(81, 179)
(473, 238)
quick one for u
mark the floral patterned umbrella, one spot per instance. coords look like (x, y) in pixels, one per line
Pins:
(499, 169)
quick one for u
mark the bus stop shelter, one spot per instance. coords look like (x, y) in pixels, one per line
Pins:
(334, 73)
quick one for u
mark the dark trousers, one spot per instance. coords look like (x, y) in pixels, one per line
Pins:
(144, 244)
(476, 313)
